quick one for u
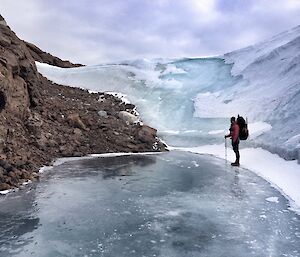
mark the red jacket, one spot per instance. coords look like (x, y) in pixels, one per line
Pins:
(234, 132)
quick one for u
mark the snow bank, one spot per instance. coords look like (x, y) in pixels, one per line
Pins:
(258, 128)
(284, 175)
(5, 192)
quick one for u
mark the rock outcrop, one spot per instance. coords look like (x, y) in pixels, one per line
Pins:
(41, 121)
(41, 56)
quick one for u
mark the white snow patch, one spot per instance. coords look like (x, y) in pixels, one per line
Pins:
(272, 199)
(27, 183)
(5, 192)
(169, 132)
(258, 128)
(45, 168)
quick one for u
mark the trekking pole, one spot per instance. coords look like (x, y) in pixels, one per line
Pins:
(225, 149)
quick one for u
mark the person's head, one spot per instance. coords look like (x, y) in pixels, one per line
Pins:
(232, 119)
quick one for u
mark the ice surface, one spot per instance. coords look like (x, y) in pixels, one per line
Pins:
(150, 205)
(284, 175)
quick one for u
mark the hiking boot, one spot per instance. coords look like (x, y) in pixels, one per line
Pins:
(235, 164)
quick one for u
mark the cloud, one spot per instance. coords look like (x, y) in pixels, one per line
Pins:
(206, 10)
(98, 31)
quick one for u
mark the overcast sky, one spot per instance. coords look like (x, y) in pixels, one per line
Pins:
(99, 31)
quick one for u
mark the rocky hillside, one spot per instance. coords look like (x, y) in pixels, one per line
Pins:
(41, 56)
(41, 121)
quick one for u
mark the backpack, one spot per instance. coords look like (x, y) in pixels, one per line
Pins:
(244, 132)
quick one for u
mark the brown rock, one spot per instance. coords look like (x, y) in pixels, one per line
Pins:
(34, 124)
(25, 174)
(34, 176)
(6, 166)
(146, 134)
(4, 186)
(12, 174)
(2, 21)
(75, 121)
(51, 143)
(18, 173)
(77, 132)
(65, 150)
(3, 156)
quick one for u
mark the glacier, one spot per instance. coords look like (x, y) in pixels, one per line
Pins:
(187, 98)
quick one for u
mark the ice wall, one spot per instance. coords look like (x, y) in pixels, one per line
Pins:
(163, 90)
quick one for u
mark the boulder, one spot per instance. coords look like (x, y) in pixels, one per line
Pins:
(129, 106)
(34, 124)
(4, 186)
(34, 176)
(25, 174)
(66, 150)
(77, 133)
(128, 117)
(102, 114)
(75, 121)
(12, 174)
(146, 134)
(6, 166)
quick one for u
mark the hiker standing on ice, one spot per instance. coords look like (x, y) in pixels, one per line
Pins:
(234, 135)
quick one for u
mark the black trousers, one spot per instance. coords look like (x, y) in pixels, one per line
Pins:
(235, 147)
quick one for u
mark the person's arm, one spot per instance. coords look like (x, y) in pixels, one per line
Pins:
(230, 132)
(229, 135)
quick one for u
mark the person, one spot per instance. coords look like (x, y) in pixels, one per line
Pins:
(234, 135)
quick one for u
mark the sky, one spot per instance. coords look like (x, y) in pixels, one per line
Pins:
(105, 31)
